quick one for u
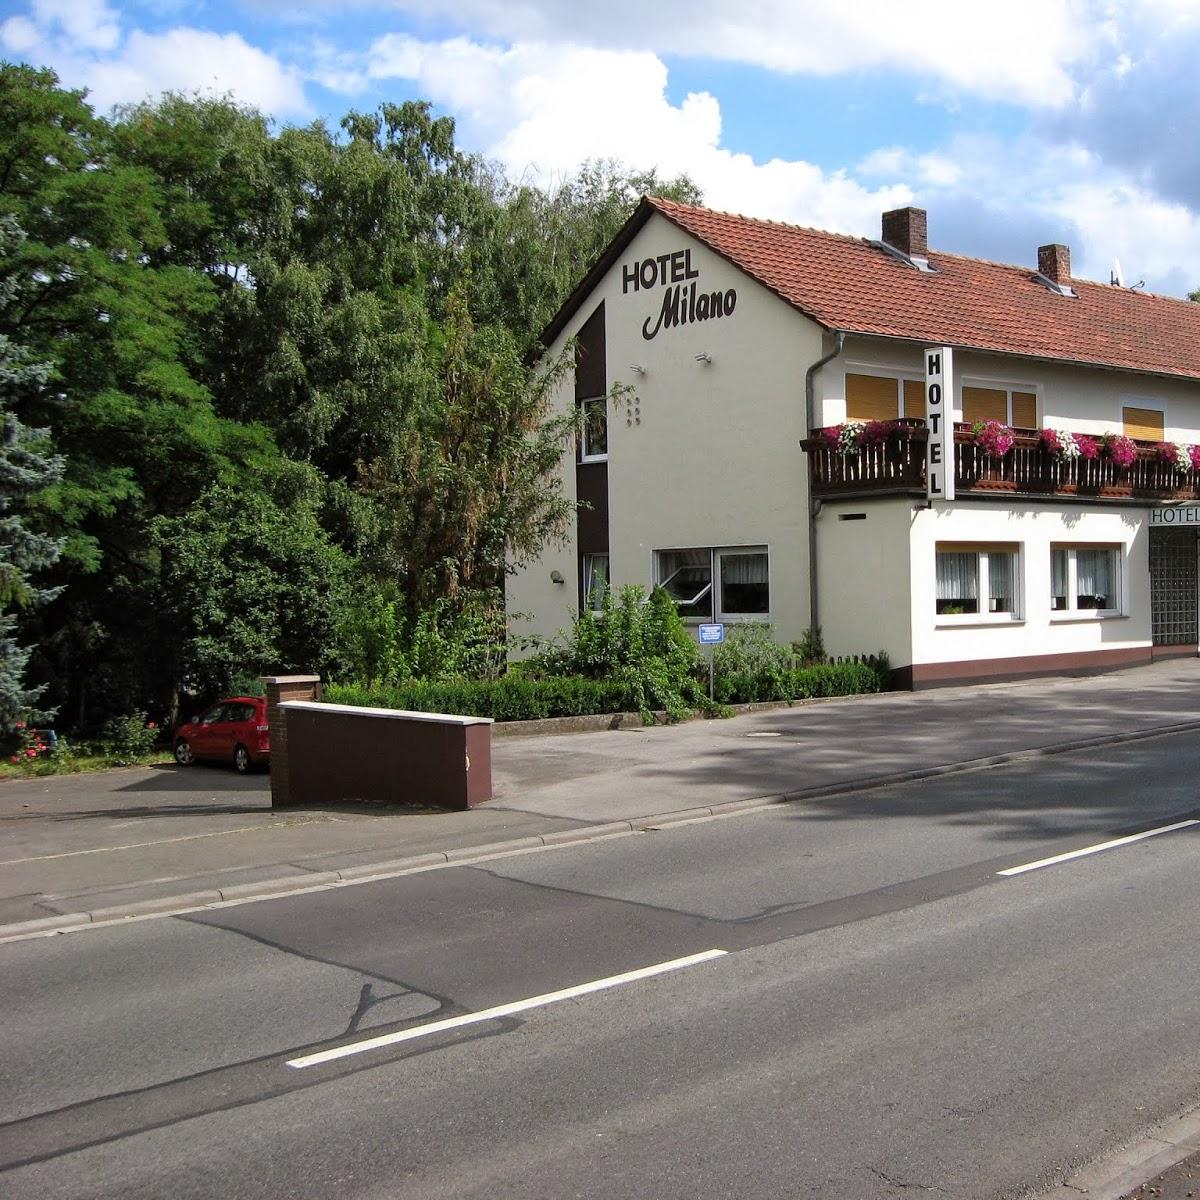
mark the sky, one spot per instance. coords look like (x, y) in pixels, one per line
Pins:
(1013, 123)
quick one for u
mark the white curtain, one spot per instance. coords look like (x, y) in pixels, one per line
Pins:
(957, 576)
(1002, 581)
(1094, 575)
(1058, 579)
(743, 568)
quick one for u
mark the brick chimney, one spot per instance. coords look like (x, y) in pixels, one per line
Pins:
(904, 228)
(1054, 261)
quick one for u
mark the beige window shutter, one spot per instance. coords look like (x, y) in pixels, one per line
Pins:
(1146, 424)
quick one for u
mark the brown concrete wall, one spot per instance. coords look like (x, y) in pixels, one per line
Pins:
(342, 755)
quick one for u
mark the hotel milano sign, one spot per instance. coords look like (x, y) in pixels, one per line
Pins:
(683, 303)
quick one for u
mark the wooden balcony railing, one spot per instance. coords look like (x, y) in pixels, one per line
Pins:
(897, 466)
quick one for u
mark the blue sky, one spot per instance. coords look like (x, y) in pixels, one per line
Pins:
(1013, 124)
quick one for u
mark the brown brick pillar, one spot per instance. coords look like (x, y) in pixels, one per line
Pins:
(279, 689)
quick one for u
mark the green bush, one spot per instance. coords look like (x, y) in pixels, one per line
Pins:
(803, 683)
(637, 642)
(452, 638)
(512, 698)
(129, 738)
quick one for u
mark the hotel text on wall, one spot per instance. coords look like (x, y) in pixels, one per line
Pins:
(939, 419)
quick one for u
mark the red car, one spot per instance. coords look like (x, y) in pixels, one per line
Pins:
(235, 730)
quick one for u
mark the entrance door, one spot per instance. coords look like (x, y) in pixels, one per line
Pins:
(1173, 579)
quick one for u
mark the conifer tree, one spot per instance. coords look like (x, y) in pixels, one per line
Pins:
(26, 467)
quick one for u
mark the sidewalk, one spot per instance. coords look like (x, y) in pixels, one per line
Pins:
(119, 842)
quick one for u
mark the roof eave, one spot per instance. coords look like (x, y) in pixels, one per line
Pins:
(1091, 364)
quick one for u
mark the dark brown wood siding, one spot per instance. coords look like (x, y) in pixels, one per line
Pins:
(591, 483)
(591, 371)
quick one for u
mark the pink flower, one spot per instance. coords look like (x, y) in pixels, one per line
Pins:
(1088, 446)
(151, 724)
(1194, 455)
(1120, 449)
(20, 725)
(994, 437)
(875, 432)
(31, 753)
(14, 759)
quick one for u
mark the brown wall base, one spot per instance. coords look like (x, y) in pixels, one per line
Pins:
(1160, 652)
(946, 674)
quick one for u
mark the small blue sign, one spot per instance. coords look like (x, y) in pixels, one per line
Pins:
(712, 635)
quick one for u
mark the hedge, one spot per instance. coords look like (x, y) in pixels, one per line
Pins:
(511, 698)
(803, 683)
(519, 698)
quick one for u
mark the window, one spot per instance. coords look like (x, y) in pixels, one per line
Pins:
(1009, 406)
(593, 441)
(978, 581)
(741, 575)
(1145, 424)
(1085, 579)
(883, 398)
(595, 580)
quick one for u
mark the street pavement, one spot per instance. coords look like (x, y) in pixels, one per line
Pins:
(890, 1016)
(111, 842)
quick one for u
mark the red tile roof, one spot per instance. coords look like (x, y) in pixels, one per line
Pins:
(851, 284)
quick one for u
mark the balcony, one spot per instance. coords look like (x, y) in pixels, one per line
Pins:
(896, 467)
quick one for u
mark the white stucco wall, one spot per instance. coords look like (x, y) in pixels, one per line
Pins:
(1032, 528)
(1081, 399)
(703, 454)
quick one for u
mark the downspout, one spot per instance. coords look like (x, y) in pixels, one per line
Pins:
(814, 505)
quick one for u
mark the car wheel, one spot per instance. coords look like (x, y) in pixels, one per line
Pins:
(183, 753)
(241, 760)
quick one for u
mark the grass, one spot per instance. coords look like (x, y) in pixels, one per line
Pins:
(71, 763)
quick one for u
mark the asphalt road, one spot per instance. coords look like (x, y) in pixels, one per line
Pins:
(892, 1016)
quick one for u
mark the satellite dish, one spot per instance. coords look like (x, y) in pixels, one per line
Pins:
(1117, 278)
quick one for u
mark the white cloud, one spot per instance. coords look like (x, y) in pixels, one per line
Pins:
(19, 35)
(82, 41)
(83, 24)
(187, 60)
(1020, 51)
(542, 110)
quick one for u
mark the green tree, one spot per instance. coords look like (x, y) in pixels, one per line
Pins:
(26, 467)
(254, 586)
(123, 329)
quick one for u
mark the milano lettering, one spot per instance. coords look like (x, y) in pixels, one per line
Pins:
(682, 303)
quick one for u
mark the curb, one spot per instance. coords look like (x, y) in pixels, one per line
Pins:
(1119, 1174)
(318, 881)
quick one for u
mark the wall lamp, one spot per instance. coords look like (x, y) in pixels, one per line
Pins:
(557, 577)
(705, 358)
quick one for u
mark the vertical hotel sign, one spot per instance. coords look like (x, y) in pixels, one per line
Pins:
(939, 419)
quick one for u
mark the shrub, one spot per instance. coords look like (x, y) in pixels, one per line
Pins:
(464, 636)
(126, 739)
(637, 642)
(850, 678)
(512, 698)
(810, 648)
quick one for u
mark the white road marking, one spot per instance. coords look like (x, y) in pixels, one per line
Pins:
(1121, 841)
(503, 1010)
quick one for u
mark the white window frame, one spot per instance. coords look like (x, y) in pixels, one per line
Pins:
(900, 375)
(713, 588)
(1016, 617)
(588, 572)
(1073, 612)
(584, 456)
(994, 384)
